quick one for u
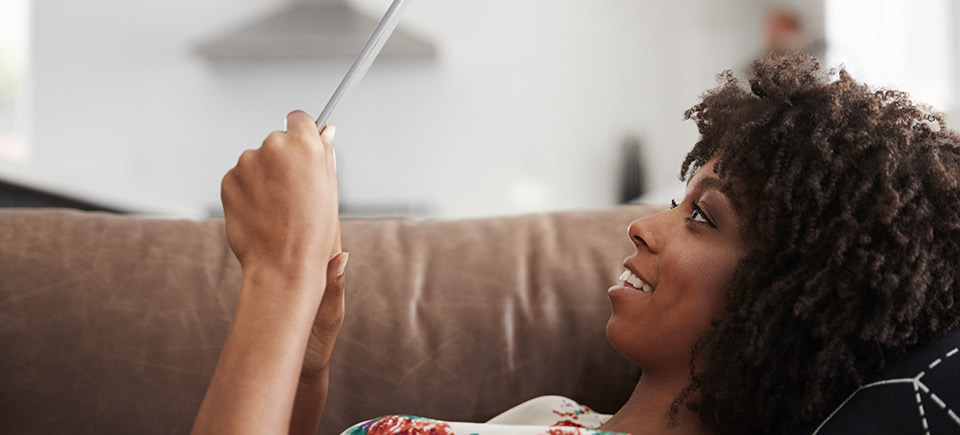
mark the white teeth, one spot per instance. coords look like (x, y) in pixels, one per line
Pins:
(628, 276)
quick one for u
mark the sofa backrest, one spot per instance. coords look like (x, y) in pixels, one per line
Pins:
(113, 324)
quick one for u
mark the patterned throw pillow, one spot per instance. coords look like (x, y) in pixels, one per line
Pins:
(919, 394)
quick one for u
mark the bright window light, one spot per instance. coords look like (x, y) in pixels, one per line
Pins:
(892, 43)
(14, 69)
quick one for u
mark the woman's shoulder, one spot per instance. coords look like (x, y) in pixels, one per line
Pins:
(545, 415)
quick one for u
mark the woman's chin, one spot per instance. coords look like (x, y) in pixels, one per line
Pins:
(616, 338)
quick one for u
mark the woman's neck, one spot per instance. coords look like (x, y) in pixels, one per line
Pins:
(647, 411)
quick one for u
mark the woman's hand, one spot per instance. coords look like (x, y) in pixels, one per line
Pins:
(327, 323)
(280, 200)
(280, 209)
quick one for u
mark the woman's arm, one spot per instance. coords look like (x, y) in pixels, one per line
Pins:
(308, 405)
(315, 373)
(280, 209)
(252, 389)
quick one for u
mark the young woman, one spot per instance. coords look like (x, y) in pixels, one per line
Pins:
(816, 242)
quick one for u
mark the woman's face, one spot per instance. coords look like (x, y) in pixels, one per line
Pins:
(686, 256)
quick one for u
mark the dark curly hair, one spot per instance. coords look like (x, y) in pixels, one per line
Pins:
(849, 200)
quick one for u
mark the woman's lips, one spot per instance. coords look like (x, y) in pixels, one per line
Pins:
(630, 284)
(630, 280)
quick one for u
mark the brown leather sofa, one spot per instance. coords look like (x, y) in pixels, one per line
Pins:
(113, 324)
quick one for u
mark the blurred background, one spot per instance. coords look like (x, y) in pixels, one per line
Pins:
(486, 108)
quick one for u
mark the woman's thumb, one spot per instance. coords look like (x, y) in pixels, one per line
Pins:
(336, 269)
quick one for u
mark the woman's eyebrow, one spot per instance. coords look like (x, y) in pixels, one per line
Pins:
(715, 184)
(709, 183)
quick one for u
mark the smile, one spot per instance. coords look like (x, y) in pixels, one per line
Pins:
(627, 277)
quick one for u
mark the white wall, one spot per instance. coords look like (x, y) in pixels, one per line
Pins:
(523, 109)
(906, 46)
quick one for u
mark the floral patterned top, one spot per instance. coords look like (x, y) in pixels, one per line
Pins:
(545, 415)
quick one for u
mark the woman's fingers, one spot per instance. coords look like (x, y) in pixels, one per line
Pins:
(331, 307)
(299, 121)
(329, 131)
(280, 200)
(326, 326)
(327, 323)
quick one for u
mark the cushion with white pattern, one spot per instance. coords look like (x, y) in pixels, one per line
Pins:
(918, 394)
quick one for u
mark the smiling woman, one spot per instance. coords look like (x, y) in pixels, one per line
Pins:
(687, 256)
(657, 329)
(847, 200)
(817, 241)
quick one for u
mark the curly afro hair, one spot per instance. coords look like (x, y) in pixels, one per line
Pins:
(849, 201)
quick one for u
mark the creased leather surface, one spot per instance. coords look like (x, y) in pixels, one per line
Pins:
(109, 324)
(113, 324)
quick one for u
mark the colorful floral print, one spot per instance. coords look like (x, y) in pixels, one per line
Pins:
(549, 415)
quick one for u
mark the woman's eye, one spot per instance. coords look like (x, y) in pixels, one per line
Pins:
(699, 216)
(673, 204)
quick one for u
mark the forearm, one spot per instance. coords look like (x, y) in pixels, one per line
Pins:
(315, 376)
(253, 386)
(308, 405)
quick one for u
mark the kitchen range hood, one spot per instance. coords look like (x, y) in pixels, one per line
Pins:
(309, 29)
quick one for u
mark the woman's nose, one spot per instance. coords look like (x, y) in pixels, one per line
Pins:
(644, 233)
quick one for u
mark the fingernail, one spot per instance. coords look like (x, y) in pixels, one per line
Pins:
(331, 131)
(343, 264)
